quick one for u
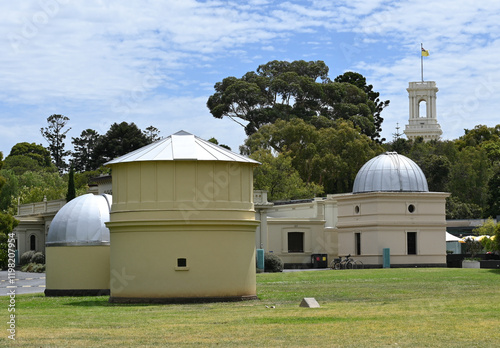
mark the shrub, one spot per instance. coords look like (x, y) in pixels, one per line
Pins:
(38, 257)
(473, 247)
(26, 257)
(272, 263)
(33, 267)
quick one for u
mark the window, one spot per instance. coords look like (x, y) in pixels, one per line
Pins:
(295, 242)
(181, 262)
(357, 239)
(32, 242)
(411, 242)
(411, 208)
(422, 106)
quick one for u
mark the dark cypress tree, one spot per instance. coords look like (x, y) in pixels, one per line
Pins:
(71, 186)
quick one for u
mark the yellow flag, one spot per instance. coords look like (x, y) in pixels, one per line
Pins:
(425, 53)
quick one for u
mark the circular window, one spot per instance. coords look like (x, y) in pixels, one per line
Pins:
(356, 209)
(411, 208)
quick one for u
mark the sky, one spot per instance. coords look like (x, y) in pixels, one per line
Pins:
(156, 62)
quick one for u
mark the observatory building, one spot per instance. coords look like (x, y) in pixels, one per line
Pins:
(182, 223)
(390, 207)
(77, 248)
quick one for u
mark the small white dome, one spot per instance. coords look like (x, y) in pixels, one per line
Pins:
(390, 172)
(81, 221)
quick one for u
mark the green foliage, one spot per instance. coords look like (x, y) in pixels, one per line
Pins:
(494, 194)
(82, 157)
(473, 247)
(455, 209)
(36, 152)
(492, 229)
(329, 156)
(216, 142)
(281, 90)
(21, 164)
(7, 225)
(467, 168)
(496, 238)
(152, 134)
(33, 267)
(277, 176)
(26, 257)
(38, 257)
(55, 134)
(273, 263)
(486, 229)
(71, 186)
(119, 140)
(25, 157)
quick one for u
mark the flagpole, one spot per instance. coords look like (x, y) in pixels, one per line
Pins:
(422, 61)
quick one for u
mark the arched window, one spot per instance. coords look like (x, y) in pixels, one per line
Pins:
(422, 108)
(33, 242)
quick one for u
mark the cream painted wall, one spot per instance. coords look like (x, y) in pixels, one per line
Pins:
(383, 219)
(219, 263)
(77, 267)
(198, 210)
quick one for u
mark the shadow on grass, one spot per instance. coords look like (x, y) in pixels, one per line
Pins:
(104, 302)
(494, 271)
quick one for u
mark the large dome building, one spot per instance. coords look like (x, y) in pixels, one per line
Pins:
(391, 208)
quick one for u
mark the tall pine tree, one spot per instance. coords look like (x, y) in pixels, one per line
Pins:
(55, 133)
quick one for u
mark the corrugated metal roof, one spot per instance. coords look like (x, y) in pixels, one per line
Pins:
(390, 172)
(182, 146)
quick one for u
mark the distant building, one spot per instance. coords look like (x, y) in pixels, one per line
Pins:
(422, 114)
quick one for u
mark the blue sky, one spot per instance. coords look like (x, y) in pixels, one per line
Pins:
(156, 62)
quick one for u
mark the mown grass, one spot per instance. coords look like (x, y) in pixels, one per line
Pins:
(359, 308)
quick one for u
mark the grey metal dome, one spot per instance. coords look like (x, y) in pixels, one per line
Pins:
(81, 221)
(390, 172)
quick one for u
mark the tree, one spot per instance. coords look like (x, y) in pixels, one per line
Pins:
(152, 134)
(284, 90)
(456, 209)
(437, 171)
(7, 225)
(28, 157)
(25, 157)
(469, 176)
(494, 194)
(71, 186)
(360, 81)
(277, 176)
(216, 142)
(55, 134)
(329, 156)
(119, 140)
(36, 152)
(84, 150)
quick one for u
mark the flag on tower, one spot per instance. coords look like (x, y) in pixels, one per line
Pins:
(425, 53)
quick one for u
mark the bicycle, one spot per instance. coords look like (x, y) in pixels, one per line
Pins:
(346, 263)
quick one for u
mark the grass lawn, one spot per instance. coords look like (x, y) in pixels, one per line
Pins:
(418, 307)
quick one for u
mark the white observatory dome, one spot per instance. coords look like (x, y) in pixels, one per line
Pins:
(390, 172)
(81, 221)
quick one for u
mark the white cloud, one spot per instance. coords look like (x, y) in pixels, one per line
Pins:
(157, 61)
